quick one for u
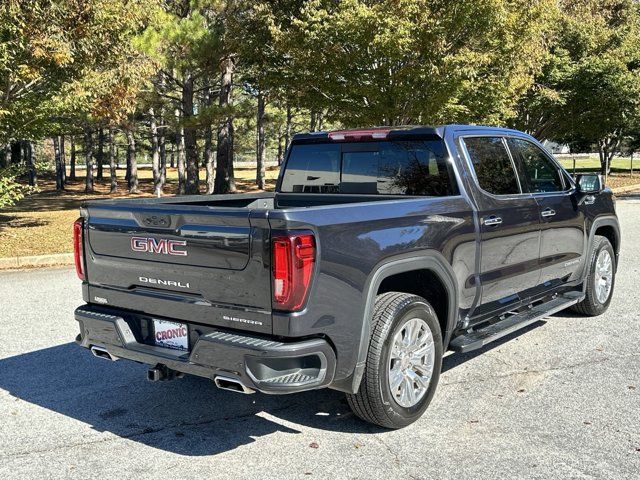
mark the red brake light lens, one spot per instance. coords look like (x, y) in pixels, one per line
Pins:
(357, 135)
(77, 247)
(293, 258)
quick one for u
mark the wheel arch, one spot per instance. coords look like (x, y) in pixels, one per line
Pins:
(429, 260)
(606, 226)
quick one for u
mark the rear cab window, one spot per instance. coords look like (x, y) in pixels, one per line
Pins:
(403, 167)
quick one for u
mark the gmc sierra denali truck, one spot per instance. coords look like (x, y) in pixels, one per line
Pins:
(379, 250)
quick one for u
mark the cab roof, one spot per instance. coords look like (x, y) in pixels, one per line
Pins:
(404, 132)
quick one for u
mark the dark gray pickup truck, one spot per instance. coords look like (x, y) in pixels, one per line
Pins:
(379, 250)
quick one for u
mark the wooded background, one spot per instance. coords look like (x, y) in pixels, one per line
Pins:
(201, 84)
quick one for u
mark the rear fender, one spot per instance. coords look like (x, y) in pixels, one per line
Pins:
(425, 260)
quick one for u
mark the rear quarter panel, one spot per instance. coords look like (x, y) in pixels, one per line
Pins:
(352, 240)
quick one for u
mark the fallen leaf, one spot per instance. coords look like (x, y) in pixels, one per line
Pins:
(631, 387)
(521, 390)
(314, 445)
(587, 423)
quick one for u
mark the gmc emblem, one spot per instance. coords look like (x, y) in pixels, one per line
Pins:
(158, 245)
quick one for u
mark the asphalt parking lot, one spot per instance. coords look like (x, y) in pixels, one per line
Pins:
(559, 400)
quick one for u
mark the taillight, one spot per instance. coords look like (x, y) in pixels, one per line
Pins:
(293, 257)
(77, 247)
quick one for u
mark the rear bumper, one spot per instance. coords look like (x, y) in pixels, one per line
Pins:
(260, 363)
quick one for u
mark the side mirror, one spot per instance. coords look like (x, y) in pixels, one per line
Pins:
(590, 183)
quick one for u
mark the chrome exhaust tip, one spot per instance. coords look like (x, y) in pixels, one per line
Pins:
(232, 384)
(101, 352)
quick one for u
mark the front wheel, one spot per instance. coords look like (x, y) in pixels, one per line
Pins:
(601, 279)
(403, 362)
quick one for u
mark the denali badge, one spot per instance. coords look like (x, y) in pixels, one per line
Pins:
(159, 281)
(158, 245)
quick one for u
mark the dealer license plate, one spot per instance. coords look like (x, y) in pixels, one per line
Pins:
(170, 334)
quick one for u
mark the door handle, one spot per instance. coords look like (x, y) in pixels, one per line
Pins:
(548, 212)
(492, 220)
(590, 200)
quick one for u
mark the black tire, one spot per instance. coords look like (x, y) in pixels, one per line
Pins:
(591, 306)
(374, 402)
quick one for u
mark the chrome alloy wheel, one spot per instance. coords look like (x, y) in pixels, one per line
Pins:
(603, 276)
(411, 362)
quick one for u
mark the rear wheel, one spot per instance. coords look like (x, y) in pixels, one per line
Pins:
(403, 362)
(601, 279)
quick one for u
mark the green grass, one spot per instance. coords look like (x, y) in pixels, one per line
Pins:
(593, 163)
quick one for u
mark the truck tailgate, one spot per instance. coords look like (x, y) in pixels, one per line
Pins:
(200, 264)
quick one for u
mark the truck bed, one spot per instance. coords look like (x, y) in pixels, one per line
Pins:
(188, 254)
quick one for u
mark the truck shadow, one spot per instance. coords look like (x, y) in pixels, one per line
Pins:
(189, 416)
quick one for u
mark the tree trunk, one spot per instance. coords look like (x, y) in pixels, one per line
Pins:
(609, 159)
(280, 149)
(208, 158)
(58, 163)
(133, 163)
(4, 155)
(100, 153)
(180, 153)
(72, 159)
(63, 161)
(113, 173)
(260, 170)
(180, 162)
(225, 182)
(31, 164)
(607, 148)
(208, 148)
(287, 128)
(88, 158)
(16, 153)
(193, 177)
(313, 122)
(602, 156)
(162, 149)
(127, 174)
(155, 154)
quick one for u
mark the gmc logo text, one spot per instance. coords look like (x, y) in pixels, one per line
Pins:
(158, 245)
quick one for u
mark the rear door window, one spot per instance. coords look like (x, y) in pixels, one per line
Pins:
(492, 165)
(539, 172)
(418, 168)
